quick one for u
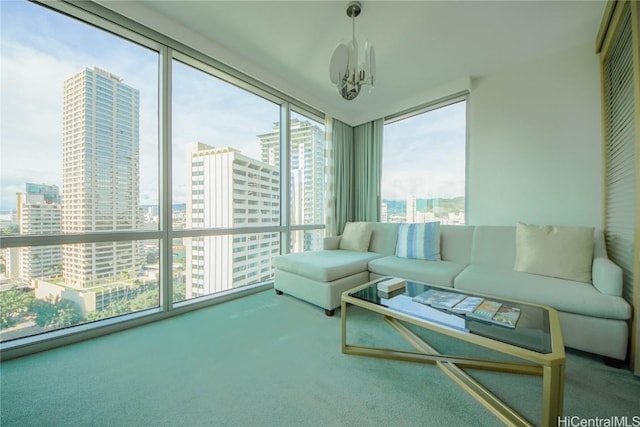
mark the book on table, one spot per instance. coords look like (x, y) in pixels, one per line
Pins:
(390, 294)
(485, 310)
(439, 299)
(467, 305)
(391, 284)
(506, 316)
(496, 313)
(471, 306)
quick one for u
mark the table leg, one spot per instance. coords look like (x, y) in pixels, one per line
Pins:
(343, 316)
(552, 394)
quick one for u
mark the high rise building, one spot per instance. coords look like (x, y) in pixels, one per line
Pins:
(10, 261)
(101, 174)
(39, 212)
(307, 177)
(411, 210)
(228, 189)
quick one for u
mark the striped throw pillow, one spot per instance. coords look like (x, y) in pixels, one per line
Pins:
(419, 241)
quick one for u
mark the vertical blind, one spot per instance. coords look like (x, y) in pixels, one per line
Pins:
(620, 150)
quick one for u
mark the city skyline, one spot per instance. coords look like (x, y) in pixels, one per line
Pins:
(100, 185)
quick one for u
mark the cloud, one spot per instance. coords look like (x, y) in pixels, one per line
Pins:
(31, 123)
(399, 184)
(208, 110)
(40, 50)
(424, 155)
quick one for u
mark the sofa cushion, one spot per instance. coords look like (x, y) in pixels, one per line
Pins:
(433, 272)
(564, 295)
(419, 241)
(356, 236)
(384, 236)
(324, 266)
(563, 252)
(494, 245)
(455, 243)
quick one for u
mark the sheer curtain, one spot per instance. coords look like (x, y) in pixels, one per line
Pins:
(330, 180)
(339, 175)
(367, 170)
(353, 164)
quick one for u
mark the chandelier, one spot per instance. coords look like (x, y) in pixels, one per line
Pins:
(345, 71)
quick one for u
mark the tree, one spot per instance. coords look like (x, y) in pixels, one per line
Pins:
(44, 310)
(13, 302)
(53, 270)
(150, 298)
(56, 312)
(10, 229)
(179, 291)
(67, 314)
(115, 308)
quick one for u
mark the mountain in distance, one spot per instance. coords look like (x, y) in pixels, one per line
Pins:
(438, 206)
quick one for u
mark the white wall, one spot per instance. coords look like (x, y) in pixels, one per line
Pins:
(535, 150)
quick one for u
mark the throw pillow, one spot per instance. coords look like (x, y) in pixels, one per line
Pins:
(356, 236)
(563, 252)
(419, 241)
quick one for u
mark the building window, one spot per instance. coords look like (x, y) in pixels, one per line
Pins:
(424, 166)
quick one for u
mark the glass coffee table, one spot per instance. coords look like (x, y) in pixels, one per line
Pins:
(536, 340)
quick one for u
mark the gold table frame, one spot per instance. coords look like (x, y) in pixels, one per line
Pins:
(550, 366)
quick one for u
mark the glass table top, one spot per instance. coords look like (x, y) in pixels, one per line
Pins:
(532, 329)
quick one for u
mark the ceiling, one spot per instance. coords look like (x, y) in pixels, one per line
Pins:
(424, 49)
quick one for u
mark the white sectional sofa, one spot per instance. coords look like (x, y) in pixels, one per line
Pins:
(593, 315)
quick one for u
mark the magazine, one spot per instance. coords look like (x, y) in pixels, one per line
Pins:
(467, 305)
(486, 310)
(507, 316)
(439, 299)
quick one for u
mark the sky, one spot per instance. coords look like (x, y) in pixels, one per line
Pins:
(40, 49)
(424, 156)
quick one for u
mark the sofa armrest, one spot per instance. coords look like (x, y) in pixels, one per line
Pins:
(607, 276)
(331, 243)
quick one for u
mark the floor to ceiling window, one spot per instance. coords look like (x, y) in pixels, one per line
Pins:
(226, 179)
(104, 212)
(424, 165)
(79, 172)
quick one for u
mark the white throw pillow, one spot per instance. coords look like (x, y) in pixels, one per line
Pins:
(563, 252)
(356, 236)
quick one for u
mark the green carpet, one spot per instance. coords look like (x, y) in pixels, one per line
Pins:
(268, 360)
